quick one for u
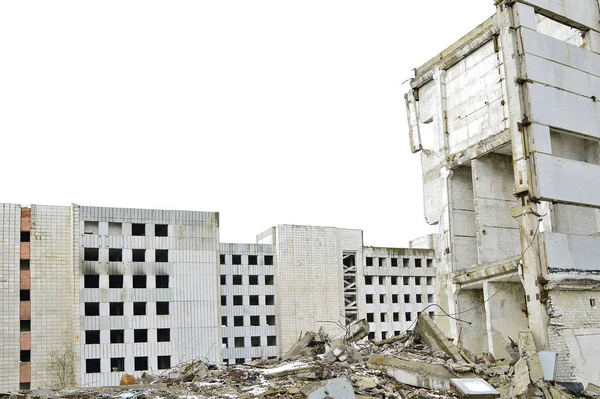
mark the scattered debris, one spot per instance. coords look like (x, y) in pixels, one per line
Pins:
(476, 388)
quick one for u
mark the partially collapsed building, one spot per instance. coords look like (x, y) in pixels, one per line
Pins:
(507, 121)
(89, 293)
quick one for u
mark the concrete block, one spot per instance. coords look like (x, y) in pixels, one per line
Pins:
(423, 375)
(474, 388)
(339, 388)
(430, 334)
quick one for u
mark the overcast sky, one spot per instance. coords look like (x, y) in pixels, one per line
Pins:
(269, 112)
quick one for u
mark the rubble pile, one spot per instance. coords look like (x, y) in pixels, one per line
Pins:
(420, 363)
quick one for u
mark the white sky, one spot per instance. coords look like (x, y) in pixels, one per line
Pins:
(269, 112)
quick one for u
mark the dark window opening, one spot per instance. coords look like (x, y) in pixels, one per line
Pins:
(161, 255)
(254, 341)
(271, 340)
(406, 298)
(224, 321)
(430, 298)
(238, 321)
(223, 279)
(92, 337)
(138, 255)
(369, 298)
(253, 280)
(162, 308)
(381, 262)
(368, 280)
(396, 316)
(382, 316)
(396, 333)
(163, 362)
(162, 281)
(117, 364)
(407, 316)
(394, 280)
(381, 298)
(418, 298)
(90, 254)
(394, 262)
(140, 363)
(92, 366)
(269, 280)
(371, 336)
(431, 314)
(91, 281)
(161, 230)
(429, 262)
(115, 281)
(139, 281)
(240, 360)
(25, 325)
(238, 300)
(383, 334)
(429, 280)
(381, 280)
(139, 308)
(270, 300)
(24, 386)
(224, 342)
(236, 259)
(405, 262)
(268, 260)
(222, 259)
(116, 308)
(394, 298)
(140, 335)
(115, 255)
(239, 342)
(270, 320)
(223, 300)
(252, 260)
(369, 261)
(24, 264)
(349, 259)
(370, 317)
(138, 229)
(406, 280)
(163, 335)
(25, 295)
(417, 262)
(117, 336)
(92, 309)
(253, 299)
(25, 236)
(417, 280)
(237, 279)
(254, 320)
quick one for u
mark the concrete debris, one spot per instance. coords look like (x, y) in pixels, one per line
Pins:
(430, 334)
(400, 367)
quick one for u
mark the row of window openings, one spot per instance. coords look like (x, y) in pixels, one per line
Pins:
(116, 255)
(118, 336)
(394, 280)
(383, 335)
(238, 321)
(252, 259)
(240, 342)
(116, 281)
(395, 317)
(118, 364)
(241, 360)
(238, 300)
(418, 298)
(252, 279)
(116, 308)
(382, 262)
(116, 229)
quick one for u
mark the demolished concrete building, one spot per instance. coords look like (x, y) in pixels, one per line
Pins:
(507, 121)
(89, 293)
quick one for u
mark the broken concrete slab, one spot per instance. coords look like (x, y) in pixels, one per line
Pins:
(296, 350)
(430, 334)
(357, 330)
(423, 375)
(338, 388)
(548, 362)
(476, 388)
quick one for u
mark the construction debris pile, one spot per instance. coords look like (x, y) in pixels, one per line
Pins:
(418, 364)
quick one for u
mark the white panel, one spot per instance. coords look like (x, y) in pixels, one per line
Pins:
(564, 180)
(568, 252)
(584, 12)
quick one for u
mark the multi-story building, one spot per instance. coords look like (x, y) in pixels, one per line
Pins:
(90, 293)
(507, 121)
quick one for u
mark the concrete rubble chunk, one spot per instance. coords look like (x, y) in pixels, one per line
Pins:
(592, 390)
(338, 388)
(476, 388)
(430, 334)
(357, 331)
(296, 350)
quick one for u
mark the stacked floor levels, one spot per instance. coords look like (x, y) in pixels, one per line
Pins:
(91, 293)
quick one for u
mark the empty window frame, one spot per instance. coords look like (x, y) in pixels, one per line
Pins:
(24, 264)
(163, 362)
(255, 320)
(117, 364)
(161, 230)
(238, 342)
(429, 280)
(407, 316)
(24, 295)
(90, 227)
(418, 298)
(162, 281)
(138, 255)
(138, 229)
(139, 281)
(381, 280)
(417, 280)
(238, 321)
(394, 262)
(91, 281)
(237, 279)
(25, 236)
(254, 341)
(140, 363)
(238, 300)
(253, 279)
(406, 298)
(140, 335)
(115, 255)
(163, 335)
(139, 308)
(224, 321)
(92, 366)
(252, 260)
(240, 360)
(115, 308)
(222, 259)
(268, 260)
(269, 279)
(236, 259)
(381, 298)
(369, 298)
(417, 262)
(25, 325)
(115, 229)
(254, 300)
(382, 262)
(162, 308)
(368, 280)
(370, 317)
(92, 337)
(271, 320)
(394, 280)
(25, 356)
(224, 345)
(429, 262)
(115, 281)
(369, 261)
(90, 254)
(117, 336)
(396, 316)
(269, 299)
(405, 262)
(382, 317)
(161, 255)
(92, 308)
(371, 336)
(223, 300)
(394, 298)
(406, 280)
(383, 335)
(271, 340)
(429, 298)
(223, 279)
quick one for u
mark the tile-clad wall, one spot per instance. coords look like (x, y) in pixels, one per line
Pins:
(52, 293)
(267, 347)
(10, 221)
(386, 285)
(193, 289)
(309, 279)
